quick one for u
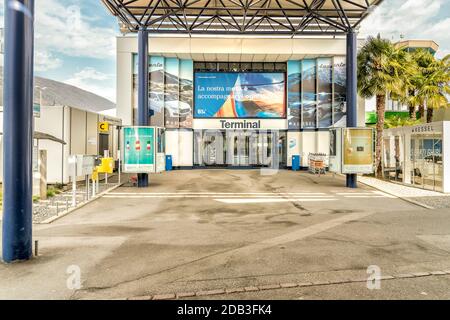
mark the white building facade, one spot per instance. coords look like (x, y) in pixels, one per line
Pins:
(239, 102)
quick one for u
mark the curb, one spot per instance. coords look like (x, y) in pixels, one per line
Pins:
(227, 291)
(399, 197)
(65, 213)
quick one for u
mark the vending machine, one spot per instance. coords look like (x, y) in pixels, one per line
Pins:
(351, 150)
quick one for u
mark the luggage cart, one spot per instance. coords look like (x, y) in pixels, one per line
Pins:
(316, 163)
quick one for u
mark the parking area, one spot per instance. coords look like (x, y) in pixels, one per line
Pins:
(202, 230)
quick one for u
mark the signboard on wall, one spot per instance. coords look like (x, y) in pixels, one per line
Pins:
(103, 127)
(139, 149)
(357, 150)
(240, 95)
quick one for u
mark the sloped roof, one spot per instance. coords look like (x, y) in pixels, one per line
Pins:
(58, 93)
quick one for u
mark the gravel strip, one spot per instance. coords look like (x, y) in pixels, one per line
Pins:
(45, 209)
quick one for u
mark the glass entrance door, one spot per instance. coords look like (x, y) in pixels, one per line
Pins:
(426, 154)
(239, 148)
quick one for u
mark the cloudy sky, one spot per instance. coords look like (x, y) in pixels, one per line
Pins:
(75, 39)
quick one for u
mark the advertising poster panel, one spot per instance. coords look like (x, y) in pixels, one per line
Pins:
(240, 95)
(309, 115)
(340, 94)
(156, 87)
(186, 93)
(294, 93)
(139, 149)
(358, 150)
(324, 91)
(172, 93)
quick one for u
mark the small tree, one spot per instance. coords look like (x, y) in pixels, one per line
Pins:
(382, 68)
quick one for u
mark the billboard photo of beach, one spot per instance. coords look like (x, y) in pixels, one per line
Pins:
(240, 95)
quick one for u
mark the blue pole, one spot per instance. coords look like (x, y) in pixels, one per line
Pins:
(18, 130)
(352, 111)
(143, 111)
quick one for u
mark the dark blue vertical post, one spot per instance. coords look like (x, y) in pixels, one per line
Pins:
(18, 130)
(143, 112)
(352, 110)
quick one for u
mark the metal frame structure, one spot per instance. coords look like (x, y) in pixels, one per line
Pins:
(240, 17)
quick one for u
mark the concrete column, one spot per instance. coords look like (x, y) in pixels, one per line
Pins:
(43, 174)
(352, 94)
(18, 130)
(143, 110)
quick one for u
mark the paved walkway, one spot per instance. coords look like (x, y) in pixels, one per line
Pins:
(205, 230)
(428, 198)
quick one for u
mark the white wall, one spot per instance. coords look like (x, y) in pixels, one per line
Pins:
(180, 145)
(293, 145)
(51, 122)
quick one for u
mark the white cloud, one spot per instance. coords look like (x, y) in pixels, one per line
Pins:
(91, 80)
(64, 29)
(412, 19)
(45, 61)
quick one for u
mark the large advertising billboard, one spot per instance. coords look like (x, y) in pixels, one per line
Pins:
(240, 95)
(139, 149)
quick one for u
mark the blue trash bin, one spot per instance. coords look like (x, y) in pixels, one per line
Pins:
(296, 163)
(168, 163)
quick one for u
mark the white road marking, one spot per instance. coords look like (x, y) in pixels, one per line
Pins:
(267, 200)
(206, 196)
(217, 193)
(374, 196)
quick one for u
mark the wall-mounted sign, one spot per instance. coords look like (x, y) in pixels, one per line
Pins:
(36, 110)
(139, 149)
(357, 150)
(103, 127)
(240, 124)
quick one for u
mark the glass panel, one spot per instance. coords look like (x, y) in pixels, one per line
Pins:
(309, 93)
(324, 92)
(294, 94)
(211, 66)
(257, 66)
(269, 66)
(281, 67)
(389, 160)
(399, 160)
(438, 165)
(340, 95)
(246, 66)
(418, 161)
(234, 66)
(222, 66)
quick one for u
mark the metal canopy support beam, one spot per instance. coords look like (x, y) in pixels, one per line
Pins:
(274, 17)
(352, 111)
(18, 130)
(143, 111)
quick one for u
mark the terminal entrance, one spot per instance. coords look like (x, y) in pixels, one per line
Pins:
(239, 148)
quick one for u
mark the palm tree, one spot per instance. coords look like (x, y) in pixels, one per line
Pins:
(428, 84)
(436, 86)
(382, 68)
